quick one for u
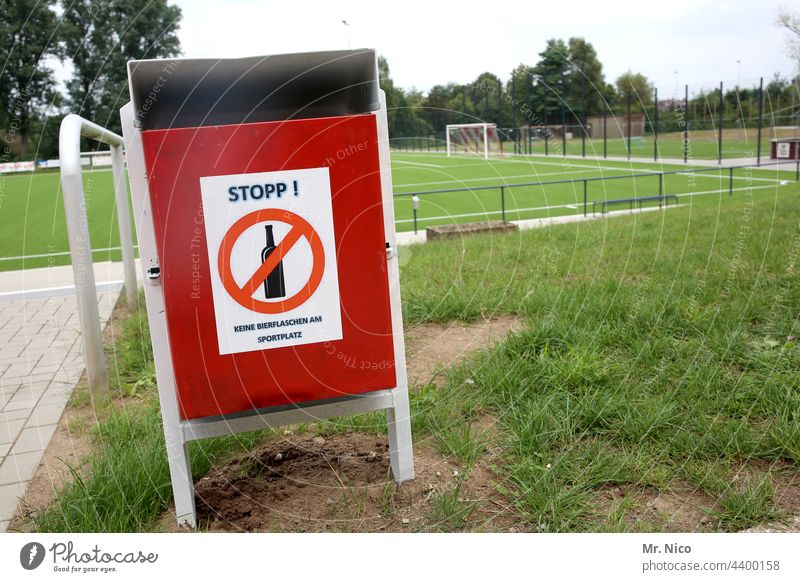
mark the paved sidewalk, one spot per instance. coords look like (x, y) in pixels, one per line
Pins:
(41, 361)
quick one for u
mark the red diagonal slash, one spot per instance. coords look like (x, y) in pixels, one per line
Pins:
(299, 228)
(272, 261)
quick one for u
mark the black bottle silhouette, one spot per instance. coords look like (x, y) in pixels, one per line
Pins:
(274, 285)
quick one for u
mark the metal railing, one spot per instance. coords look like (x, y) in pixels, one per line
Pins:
(415, 196)
(73, 127)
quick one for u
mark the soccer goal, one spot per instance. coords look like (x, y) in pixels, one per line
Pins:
(473, 138)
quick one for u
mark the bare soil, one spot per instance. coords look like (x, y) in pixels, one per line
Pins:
(433, 348)
(340, 484)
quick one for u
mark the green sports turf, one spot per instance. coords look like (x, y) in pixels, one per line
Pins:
(703, 145)
(669, 146)
(32, 209)
(423, 172)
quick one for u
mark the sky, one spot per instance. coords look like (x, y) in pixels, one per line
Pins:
(426, 43)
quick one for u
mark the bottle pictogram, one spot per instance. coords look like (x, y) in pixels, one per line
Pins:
(274, 284)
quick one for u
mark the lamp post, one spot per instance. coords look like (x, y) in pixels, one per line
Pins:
(347, 31)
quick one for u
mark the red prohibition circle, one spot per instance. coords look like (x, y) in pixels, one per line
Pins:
(300, 228)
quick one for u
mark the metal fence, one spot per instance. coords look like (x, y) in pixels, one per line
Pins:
(710, 109)
(661, 198)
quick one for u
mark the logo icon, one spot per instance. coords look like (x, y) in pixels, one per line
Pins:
(31, 555)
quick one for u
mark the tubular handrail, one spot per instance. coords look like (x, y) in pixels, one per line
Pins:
(73, 127)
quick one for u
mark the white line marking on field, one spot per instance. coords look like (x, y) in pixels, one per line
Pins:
(418, 164)
(61, 254)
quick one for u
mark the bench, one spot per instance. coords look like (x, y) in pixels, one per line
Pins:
(632, 202)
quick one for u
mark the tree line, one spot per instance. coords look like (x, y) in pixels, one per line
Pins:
(569, 74)
(95, 39)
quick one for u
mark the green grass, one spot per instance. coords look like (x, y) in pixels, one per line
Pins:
(659, 350)
(702, 144)
(32, 208)
(420, 173)
(653, 344)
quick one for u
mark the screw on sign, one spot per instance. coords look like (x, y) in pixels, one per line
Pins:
(271, 264)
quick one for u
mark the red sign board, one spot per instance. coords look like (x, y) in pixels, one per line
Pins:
(348, 265)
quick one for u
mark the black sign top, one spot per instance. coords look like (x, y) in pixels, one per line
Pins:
(173, 93)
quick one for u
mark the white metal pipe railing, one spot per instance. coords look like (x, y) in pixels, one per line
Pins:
(73, 127)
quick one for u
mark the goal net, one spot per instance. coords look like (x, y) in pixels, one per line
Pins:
(474, 138)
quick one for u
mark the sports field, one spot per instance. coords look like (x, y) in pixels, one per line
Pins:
(703, 144)
(33, 232)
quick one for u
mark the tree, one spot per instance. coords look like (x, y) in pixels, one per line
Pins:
(638, 88)
(553, 61)
(402, 116)
(27, 30)
(101, 37)
(587, 77)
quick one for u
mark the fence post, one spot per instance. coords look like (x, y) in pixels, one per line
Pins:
(686, 126)
(660, 188)
(730, 181)
(629, 121)
(605, 128)
(503, 202)
(760, 118)
(584, 198)
(655, 130)
(721, 112)
(415, 206)
(563, 117)
(546, 126)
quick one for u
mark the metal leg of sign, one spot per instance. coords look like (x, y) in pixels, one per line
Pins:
(401, 454)
(398, 417)
(179, 467)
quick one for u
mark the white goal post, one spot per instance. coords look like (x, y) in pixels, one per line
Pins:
(478, 138)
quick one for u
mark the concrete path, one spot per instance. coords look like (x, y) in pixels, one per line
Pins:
(41, 361)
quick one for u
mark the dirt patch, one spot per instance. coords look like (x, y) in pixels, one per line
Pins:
(342, 484)
(679, 509)
(786, 487)
(432, 348)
